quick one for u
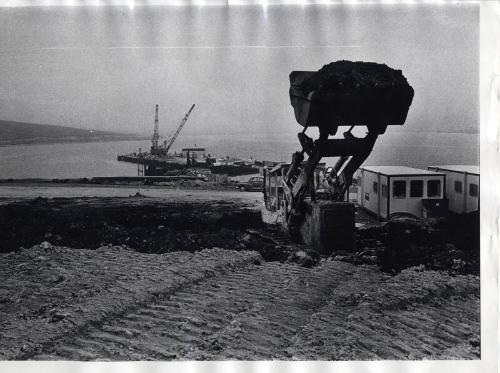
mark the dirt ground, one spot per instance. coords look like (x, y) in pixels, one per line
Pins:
(157, 279)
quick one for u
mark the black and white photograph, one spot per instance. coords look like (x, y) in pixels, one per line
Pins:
(210, 181)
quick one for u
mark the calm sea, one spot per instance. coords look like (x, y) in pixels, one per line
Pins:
(74, 160)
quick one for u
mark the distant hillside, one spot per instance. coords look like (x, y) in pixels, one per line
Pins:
(12, 133)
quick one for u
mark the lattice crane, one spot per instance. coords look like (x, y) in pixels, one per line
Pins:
(156, 136)
(170, 141)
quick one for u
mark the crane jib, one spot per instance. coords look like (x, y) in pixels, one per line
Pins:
(183, 122)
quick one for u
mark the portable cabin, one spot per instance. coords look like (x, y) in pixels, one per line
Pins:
(386, 190)
(462, 187)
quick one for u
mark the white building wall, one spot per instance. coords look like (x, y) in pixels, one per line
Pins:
(459, 196)
(408, 204)
(375, 198)
(399, 204)
(367, 196)
(456, 197)
(472, 202)
(384, 195)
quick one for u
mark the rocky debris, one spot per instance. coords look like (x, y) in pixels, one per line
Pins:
(304, 259)
(271, 244)
(45, 244)
(147, 225)
(363, 78)
(450, 244)
(274, 244)
(152, 226)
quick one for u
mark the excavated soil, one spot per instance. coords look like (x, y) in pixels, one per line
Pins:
(150, 225)
(451, 244)
(153, 279)
(356, 78)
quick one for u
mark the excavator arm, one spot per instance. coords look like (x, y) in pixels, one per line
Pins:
(351, 151)
(342, 93)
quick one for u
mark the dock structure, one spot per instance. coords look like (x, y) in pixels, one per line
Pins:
(151, 165)
(159, 160)
(144, 179)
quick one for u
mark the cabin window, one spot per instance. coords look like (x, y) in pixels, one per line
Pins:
(458, 186)
(434, 188)
(375, 187)
(473, 190)
(416, 188)
(384, 190)
(399, 189)
(367, 196)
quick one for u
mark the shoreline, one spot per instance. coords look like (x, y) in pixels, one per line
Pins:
(187, 184)
(12, 193)
(49, 141)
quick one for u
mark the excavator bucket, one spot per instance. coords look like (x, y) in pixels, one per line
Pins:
(346, 93)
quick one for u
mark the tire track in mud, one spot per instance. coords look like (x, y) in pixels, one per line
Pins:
(219, 305)
(415, 315)
(96, 285)
(251, 313)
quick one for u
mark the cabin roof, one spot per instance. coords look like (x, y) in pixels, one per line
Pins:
(399, 170)
(470, 169)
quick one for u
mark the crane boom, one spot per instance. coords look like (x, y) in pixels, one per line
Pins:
(156, 136)
(171, 141)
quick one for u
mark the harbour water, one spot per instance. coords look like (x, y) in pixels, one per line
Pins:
(76, 160)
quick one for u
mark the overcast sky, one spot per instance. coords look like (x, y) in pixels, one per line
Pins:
(107, 67)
